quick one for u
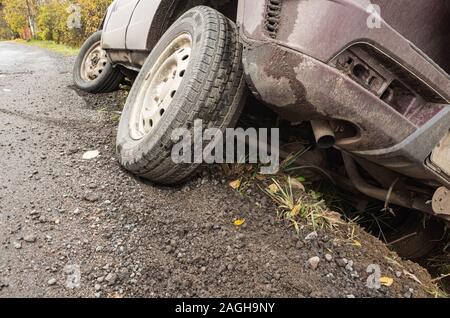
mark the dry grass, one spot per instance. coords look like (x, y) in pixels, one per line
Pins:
(288, 191)
(295, 204)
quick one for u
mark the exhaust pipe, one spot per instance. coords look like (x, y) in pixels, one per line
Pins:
(401, 198)
(323, 133)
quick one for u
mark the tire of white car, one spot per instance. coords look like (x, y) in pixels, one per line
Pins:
(210, 87)
(92, 72)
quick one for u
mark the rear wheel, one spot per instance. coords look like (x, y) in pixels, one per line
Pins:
(417, 236)
(194, 72)
(92, 71)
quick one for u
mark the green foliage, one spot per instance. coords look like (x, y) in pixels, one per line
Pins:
(92, 13)
(5, 32)
(16, 15)
(52, 46)
(49, 19)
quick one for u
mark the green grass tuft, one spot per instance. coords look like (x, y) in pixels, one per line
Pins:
(51, 46)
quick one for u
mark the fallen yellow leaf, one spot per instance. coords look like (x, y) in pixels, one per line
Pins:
(357, 243)
(296, 210)
(274, 188)
(386, 281)
(235, 184)
(239, 222)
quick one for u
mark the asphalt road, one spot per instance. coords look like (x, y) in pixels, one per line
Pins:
(75, 228)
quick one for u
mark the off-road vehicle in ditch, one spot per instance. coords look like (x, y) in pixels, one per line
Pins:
(367, 81)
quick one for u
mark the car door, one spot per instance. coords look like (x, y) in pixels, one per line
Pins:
(140, 24)
(115, 30)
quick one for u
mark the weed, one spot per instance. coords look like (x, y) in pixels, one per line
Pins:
(115, 117)
(295, 204)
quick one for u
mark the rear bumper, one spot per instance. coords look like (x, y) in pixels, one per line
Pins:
(323, 29)
(301, 81)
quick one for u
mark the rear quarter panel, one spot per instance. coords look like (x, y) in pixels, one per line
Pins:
(152, 17)
(140, 24)
(118, 18)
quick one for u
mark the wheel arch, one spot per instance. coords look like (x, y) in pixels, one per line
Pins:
(169, 11)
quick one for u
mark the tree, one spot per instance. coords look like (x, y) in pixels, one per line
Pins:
(5, 31)
(31, 17)
(48, 19)
(92, 12)
(20, 15)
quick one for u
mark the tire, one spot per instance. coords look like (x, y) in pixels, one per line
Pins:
(212, 89)
(427, 236)
(106, 80)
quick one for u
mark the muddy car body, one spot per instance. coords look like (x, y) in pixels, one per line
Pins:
(370, 79)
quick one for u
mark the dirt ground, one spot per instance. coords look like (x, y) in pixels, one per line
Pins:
(75, 228)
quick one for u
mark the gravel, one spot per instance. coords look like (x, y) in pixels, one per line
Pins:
(111, 279)
(105, 233)
(30, 238)
(311, 236)
(313, 262)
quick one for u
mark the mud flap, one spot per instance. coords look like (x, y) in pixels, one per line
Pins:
(440, 157)
(441, 202)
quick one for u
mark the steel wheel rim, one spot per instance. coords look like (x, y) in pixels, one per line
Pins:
(160, 87)
(94, 63)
